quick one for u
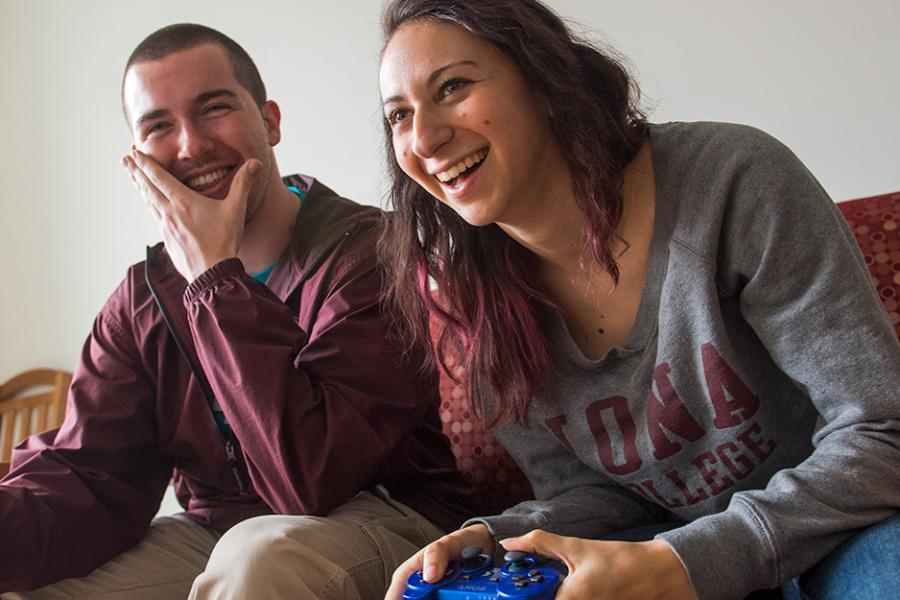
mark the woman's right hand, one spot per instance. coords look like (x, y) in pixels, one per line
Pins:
(432, 559)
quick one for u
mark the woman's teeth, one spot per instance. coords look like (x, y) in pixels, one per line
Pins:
(202, 180)
(462, 166)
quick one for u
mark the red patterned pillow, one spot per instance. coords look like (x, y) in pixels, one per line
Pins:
(875, 221)
(482, 460)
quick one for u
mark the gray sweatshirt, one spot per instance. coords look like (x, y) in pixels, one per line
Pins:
(758, 396)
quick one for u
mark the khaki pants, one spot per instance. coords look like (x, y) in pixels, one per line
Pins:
(350, 554)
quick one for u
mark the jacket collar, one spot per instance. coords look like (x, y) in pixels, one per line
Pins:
(323, 221)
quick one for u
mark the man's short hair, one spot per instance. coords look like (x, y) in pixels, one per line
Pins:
(182, 36)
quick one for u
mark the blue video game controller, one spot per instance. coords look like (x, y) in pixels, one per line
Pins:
(474, 577)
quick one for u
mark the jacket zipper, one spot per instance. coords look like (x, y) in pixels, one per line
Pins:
(231, 455)
(229, 440)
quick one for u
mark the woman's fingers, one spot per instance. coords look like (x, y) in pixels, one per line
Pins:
(398, 580)
(432, 559)
(435, 558)
(546, 544)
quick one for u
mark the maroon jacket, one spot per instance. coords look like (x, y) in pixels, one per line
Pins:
(304, 369)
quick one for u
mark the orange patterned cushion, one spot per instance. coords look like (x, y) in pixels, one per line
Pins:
(875, 221)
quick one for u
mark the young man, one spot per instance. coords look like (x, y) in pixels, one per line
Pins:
(250, 354)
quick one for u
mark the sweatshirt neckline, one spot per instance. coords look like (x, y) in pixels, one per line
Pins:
(646, 322)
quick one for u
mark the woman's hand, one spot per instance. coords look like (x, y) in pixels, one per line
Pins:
(432, 559)
(611, 570)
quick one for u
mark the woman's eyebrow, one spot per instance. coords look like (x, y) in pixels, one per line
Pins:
(437, 72)
(431, 78)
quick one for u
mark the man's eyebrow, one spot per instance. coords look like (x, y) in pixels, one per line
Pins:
(200, 99)
(431, 78)
(149, 116)
(205, 96)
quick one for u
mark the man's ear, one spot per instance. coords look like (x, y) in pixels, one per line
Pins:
(271, 115)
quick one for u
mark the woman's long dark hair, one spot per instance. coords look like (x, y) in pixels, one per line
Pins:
(488, 295)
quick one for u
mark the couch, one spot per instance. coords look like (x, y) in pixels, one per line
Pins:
(875, 221)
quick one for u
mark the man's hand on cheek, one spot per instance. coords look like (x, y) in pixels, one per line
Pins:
(198, 231)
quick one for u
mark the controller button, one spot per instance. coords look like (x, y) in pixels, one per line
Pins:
(470, 552)
(536, 578)
(518, 577)
(534, 572)
(494, 579)
(521, 584)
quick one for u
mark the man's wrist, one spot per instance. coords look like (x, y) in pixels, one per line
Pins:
(207, 264)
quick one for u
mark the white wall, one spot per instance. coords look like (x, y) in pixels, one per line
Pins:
(822, 75)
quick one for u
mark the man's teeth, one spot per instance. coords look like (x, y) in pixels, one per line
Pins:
(202, 180)
(462, 166)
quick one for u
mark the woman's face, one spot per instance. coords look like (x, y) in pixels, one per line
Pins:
(466, 125)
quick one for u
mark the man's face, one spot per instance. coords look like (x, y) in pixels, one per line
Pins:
(191, 115)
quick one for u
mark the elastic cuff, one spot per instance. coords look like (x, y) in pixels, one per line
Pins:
(230, 267)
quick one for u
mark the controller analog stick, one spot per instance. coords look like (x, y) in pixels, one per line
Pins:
(514, 559)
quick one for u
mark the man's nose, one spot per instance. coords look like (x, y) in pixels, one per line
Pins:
(193, 142)
(431, 130)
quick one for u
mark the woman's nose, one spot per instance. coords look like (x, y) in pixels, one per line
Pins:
(430, 131)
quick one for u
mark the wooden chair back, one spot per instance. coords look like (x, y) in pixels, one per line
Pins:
(31, 402)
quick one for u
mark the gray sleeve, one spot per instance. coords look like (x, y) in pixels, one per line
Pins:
(806, 292)
(571, 498)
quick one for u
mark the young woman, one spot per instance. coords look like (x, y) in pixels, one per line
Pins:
(668, 326)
